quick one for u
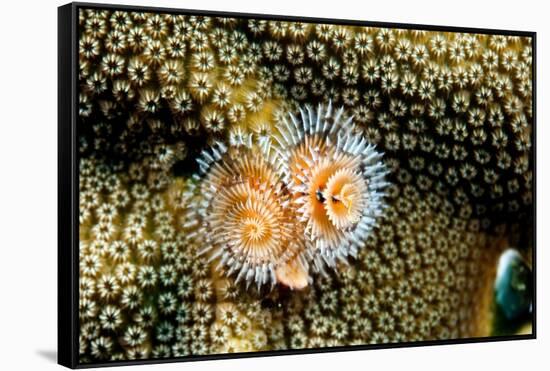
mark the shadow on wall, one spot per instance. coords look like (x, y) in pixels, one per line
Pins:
(50, 355)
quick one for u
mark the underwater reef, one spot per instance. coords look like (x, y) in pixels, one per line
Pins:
(250, 185)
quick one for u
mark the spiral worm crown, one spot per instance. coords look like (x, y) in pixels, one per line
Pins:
(302, 199)
(336, 179)
(247, 221)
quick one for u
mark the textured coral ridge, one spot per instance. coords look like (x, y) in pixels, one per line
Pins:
(311, 202)
(451, 112)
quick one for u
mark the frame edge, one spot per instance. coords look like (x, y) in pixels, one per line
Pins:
(66, 252)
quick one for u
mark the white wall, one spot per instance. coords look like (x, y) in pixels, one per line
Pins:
(28, 182)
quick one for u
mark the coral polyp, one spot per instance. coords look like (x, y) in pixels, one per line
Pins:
(249, 227)
(336, 178)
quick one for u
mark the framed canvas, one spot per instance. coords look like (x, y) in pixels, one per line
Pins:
(236, 185)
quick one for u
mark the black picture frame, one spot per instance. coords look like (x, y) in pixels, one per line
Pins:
(68, 178)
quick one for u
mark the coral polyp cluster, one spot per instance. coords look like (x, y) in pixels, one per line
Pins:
(306, 196)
